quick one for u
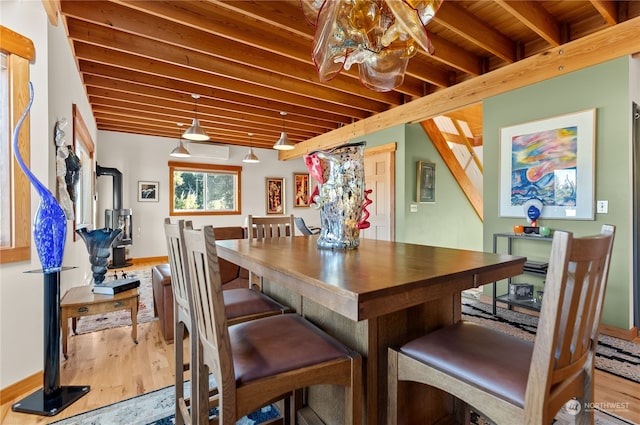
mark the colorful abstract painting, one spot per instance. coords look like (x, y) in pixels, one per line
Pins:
(543, 166)
(551, 160)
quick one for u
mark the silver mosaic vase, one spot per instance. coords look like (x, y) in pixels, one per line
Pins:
(340, 194)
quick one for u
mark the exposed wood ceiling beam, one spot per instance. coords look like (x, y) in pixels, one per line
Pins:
(465, 24)
(196, 48)
(596, 48)
(608, 9)
(536, 17)
(251, 59)
(107, 77)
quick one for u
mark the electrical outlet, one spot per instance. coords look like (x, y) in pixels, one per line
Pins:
(602, 207)
(413, 208)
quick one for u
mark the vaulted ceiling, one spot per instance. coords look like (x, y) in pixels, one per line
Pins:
(141, 61)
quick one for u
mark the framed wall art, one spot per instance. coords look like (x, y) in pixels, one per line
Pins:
(426, 182)
(275, 195)
(148, 191)
(301, 189)
(552, 160)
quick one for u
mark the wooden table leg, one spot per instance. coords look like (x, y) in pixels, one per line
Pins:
(65, 330)
(134, 320)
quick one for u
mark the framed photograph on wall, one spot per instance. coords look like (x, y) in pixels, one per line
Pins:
(552, 160)
(275, 195)
(148, 191)
(301, 189)
(426, 182)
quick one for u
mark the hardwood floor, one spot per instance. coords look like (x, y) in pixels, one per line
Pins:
(114, 367)
(117, 369)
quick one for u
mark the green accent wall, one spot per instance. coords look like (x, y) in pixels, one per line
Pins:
(451, 220)
(605, 87)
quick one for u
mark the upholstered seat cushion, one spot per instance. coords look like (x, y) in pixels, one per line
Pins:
(498, 362)
(248, 302)
(259, 346)
(232, 275)
(163, 298)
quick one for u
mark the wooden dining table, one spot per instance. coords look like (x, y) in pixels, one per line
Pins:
(379, 295)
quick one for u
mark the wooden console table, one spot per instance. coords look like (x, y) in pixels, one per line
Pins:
(81, 301)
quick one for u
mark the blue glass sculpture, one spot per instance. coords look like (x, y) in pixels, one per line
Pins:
(50, 222)
(98, 243)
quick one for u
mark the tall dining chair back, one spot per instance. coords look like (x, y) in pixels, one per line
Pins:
(182, 318)
(270, 227)
(260, 228)
(303, 228)
(241, 304)
(264, 360)
(515, 381)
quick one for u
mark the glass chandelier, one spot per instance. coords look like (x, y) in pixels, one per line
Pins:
(379, 35)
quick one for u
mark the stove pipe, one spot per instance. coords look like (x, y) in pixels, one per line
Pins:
(117, 183)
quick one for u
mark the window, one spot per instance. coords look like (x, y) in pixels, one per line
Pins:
(15, 189)
(5, 156)
(204, 189)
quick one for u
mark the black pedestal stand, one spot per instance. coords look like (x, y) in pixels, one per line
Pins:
(52, 398)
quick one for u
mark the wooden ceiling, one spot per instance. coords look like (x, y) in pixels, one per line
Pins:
(141, 61)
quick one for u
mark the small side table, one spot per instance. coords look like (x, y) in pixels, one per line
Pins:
(80, 301)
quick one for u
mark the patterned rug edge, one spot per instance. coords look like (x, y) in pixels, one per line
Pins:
(615, 356)
(122, 318)
(156, 407)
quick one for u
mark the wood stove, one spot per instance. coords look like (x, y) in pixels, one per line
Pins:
(117, 218)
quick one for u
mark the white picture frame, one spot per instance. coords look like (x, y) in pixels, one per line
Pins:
(148, 191)
(552, 160)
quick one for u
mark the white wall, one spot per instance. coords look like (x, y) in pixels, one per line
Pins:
(66, 89)
(56, 85)
(145, 158)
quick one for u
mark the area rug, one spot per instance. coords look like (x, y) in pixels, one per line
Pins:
(122, 317)
(153, 408)
(614, 355)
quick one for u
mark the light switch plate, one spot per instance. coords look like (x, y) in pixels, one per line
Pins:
(413, 208)
(602, 207)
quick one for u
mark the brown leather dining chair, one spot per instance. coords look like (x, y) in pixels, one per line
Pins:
(510, 380)
(270, 227)
(241, 304)
(260, 228)
(258, 362)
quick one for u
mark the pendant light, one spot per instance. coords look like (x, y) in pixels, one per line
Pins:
(180, 151)
(195, 132)
(283, 143)
(251, 157)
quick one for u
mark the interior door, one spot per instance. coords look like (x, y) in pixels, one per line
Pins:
(379, 176)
